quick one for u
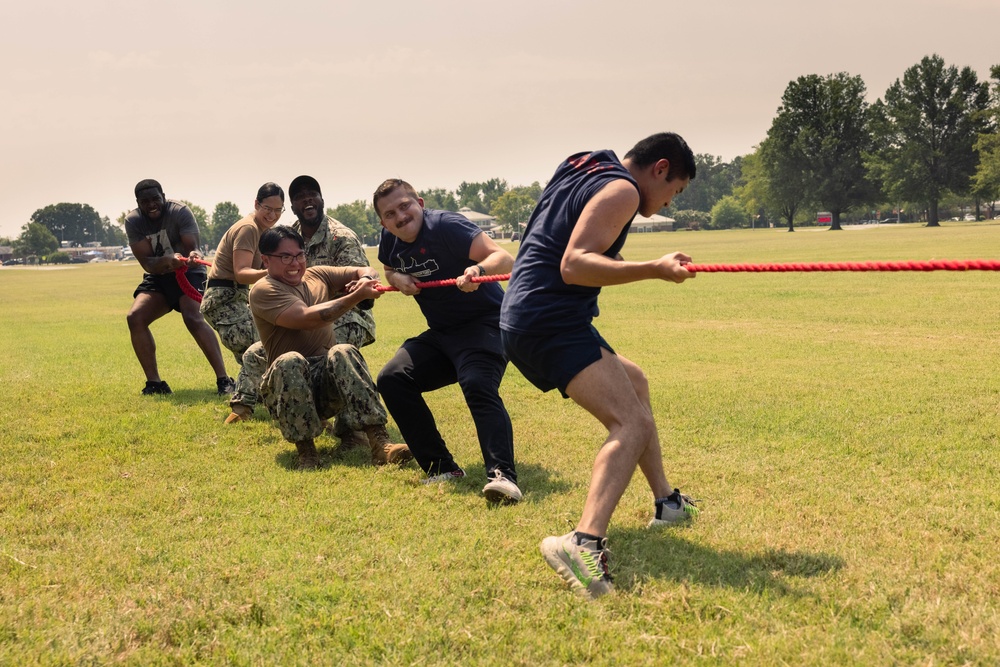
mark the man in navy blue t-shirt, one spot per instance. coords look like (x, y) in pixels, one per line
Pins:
(570, 250)
(462, 343)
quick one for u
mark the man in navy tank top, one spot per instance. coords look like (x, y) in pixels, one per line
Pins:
(570, 250)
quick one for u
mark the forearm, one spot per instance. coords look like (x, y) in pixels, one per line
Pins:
(322, 314)
(249, 276)
(157, 265)
(497, 263)
(595, 270)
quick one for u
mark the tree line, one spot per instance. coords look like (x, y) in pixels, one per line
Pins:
(932, 140)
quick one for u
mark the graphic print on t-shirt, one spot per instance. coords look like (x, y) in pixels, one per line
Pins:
(421, 270)
(161, 244)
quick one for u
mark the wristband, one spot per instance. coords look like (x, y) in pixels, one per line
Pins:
(482, 271)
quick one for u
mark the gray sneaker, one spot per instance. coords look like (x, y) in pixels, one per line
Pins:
(673, 509)
(452, 476)
(582, 563)
(501, 490)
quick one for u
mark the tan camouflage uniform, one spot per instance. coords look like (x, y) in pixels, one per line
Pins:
(227, 310)
(333, 244)
(300, 393)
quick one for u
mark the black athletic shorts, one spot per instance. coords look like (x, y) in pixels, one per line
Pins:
(166, 284)
(552, 361)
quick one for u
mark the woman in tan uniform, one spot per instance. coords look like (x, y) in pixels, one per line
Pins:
(235, 267)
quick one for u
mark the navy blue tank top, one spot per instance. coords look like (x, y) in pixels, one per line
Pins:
(537, 301)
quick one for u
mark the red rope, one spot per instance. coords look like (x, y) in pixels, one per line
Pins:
(185, 284)
(448, 282)
(932, 265)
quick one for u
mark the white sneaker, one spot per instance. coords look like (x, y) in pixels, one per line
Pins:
(444, 477)
(582, 563)
(673, 509)
(501, 490)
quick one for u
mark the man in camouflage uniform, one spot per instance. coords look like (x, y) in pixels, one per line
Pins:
(331, 243)
(328, 242)
(310, 376)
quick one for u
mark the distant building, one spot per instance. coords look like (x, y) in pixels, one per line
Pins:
(487, 223)
(654, 223)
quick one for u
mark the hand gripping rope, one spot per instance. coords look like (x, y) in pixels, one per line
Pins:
(930, 265)
(185, 284)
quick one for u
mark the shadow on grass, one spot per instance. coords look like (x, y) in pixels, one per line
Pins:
(664, 554)
(194, 396)
(331, 454)
(534, 481)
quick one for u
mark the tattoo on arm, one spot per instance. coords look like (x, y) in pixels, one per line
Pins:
(333, 310)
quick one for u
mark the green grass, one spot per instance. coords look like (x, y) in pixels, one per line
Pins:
(841, 429)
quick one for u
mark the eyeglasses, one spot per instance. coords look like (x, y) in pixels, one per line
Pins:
(288, 259)
(272, 211)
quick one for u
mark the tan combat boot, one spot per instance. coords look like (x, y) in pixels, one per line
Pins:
(308, 457)
(384, 451)
(240, 413)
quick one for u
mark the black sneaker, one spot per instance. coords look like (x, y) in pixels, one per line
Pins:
(153, 388)
(226, 385)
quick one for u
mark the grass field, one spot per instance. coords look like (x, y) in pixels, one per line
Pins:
(841, 430)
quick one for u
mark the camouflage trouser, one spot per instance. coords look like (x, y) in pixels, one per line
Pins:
(300, 392)
(227, 310)
(255, 363)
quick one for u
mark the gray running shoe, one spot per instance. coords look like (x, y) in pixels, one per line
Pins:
(452, 476)
(673, 509)
(582, 563)
(501, 490)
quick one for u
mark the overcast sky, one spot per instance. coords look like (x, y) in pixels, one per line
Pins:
(214, 98)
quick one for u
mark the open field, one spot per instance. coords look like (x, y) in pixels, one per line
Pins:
(840, 428)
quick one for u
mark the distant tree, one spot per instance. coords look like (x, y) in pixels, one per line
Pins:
(728, 214)
(480, 196)
(511, 208)
(534, 190)
(492, 190)
(689, 219)
(35, 239)
(111, 234)
(6, 241)
(715, 180)
(77, 223)
(440, 199)
(223, 217)
(201, 217)
(931, 120)
(775, 177)
(360, 217)
(986, 182)
(824, 123)
(58, 257)
(752, 191)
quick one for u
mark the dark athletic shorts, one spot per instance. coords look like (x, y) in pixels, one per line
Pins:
(552, 361)
(166, 284)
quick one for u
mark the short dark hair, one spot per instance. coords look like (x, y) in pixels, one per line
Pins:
(272, 238)
(665, 145)
(146, 184)
(270, 190)
(388, 186)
